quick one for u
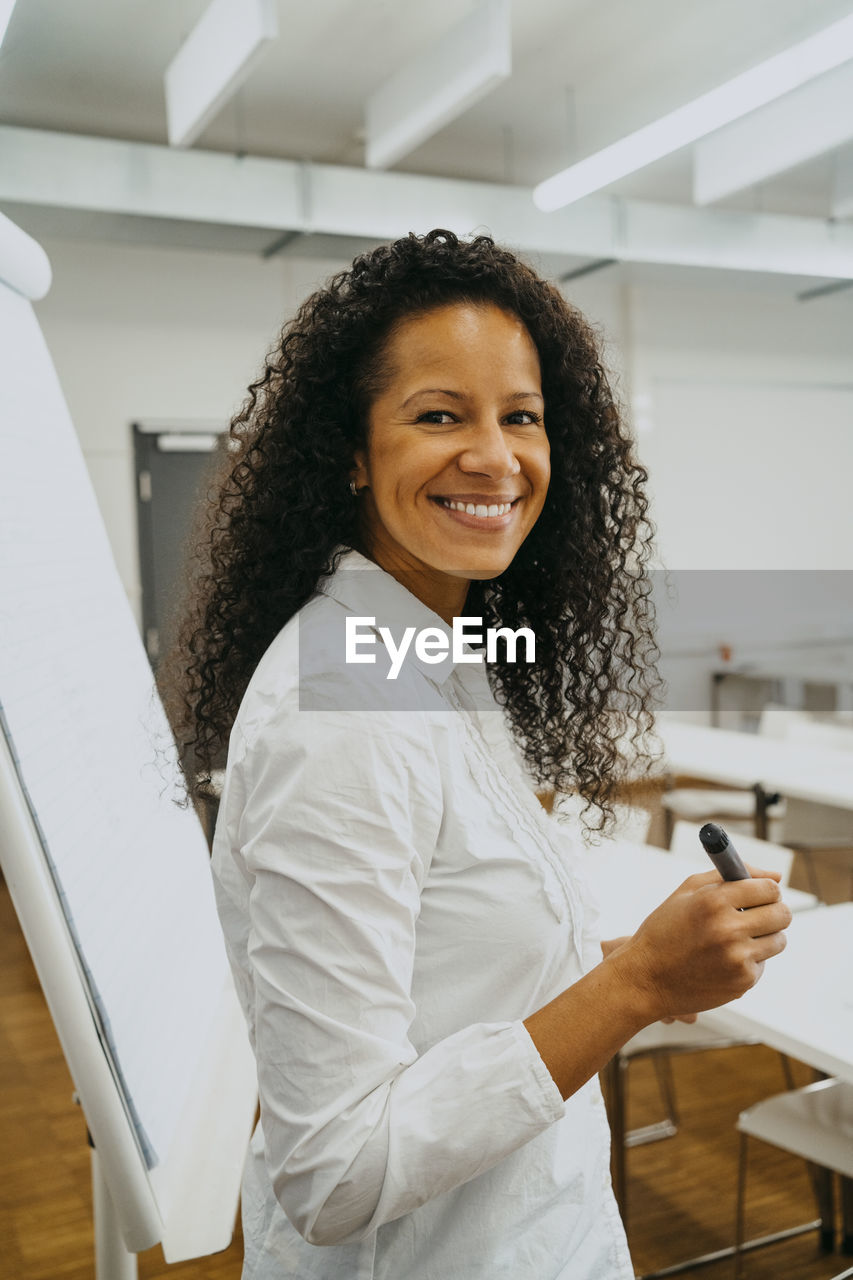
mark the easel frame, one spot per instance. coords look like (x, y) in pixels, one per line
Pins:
(188, 1205)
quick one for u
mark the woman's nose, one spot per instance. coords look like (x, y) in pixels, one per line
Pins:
(487, 451)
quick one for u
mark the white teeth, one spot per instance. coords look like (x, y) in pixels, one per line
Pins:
(478, 509)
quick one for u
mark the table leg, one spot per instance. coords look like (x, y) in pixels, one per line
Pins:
(717, 679)
(761, 800)
(847, 1215)
(613, 1077)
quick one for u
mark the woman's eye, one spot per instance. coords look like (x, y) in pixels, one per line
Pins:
(442, 417)
(524, 418)
(438, 416)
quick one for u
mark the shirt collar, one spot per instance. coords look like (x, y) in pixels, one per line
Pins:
(366, 590)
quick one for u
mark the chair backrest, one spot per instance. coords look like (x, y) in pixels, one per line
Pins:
(632, 823)
(779, 722)
(760, 853)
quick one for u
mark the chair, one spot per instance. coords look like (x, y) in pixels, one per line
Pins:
(763, 853)
(661, 1040)
(816, 1123)
(734, 805)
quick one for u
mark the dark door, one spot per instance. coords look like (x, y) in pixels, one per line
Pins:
(170, 469)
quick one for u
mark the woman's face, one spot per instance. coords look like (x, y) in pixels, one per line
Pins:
(457, 466)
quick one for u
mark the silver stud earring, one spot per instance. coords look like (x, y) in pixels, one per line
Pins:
(353, 488)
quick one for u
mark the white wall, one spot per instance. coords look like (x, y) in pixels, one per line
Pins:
(743, 396)
(749, 405)
(742, 399)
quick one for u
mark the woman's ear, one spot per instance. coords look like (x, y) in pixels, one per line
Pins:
(359, 475)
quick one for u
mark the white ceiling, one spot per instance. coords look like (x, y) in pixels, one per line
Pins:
(585, 72)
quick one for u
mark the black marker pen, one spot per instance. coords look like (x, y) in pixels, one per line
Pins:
(722, 852)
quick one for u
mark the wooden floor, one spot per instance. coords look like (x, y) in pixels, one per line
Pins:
(45, 1191)
(681, 1190)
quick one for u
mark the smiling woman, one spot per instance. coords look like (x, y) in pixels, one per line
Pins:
(434, 443)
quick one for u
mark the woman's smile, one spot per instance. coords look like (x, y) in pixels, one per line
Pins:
(479, 511)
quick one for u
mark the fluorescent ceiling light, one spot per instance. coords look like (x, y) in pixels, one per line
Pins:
(6, 7)
(814, 119)
(213, 62)
(439, 84)
(752, 89)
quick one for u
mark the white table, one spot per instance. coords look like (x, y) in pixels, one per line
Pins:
(769, 765)
(803, 1004)
(743, 759)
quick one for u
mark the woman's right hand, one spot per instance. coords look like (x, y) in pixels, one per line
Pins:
(705, 944)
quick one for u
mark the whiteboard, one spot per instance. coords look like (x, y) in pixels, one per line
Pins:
(109, 876)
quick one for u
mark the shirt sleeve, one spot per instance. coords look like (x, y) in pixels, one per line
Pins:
(341, 816)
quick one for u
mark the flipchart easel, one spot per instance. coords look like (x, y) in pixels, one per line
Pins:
(108, 876)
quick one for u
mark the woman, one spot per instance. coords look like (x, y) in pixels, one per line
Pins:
(410, 934)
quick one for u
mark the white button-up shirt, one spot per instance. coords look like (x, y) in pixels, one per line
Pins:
(395, 902)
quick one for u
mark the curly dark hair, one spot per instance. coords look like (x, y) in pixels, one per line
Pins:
(283, 506)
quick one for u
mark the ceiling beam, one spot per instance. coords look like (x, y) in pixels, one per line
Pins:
(213, 62)
(63, 170)
(81, 172)
(735, 241)
(439, 84)
(806, 123)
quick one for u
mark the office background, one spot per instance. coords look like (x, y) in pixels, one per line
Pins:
(740, 389)
(728, 325)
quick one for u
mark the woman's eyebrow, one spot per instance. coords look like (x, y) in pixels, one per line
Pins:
(432, 391)
(459, 395)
